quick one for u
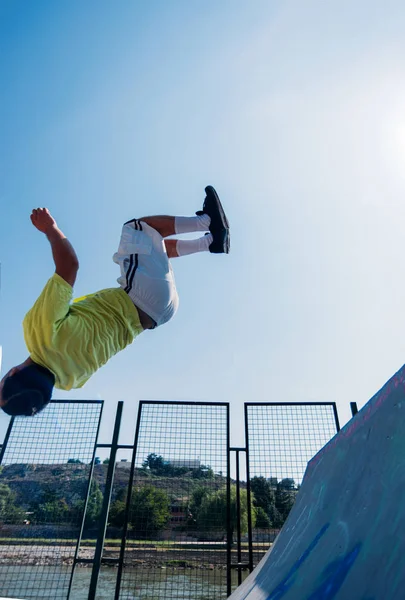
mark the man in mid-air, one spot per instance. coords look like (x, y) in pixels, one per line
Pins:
(67, 342)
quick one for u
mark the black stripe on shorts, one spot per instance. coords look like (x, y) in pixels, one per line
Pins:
(133, 260)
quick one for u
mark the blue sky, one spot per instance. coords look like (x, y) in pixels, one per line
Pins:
(292, 110)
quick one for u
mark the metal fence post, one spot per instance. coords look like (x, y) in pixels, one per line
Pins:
(353, 408)
(106, 505)
(128, 505)
(228, 510)
(86, 501)
(238, 515)
(248, 491)
(4, 445)
(335, 414)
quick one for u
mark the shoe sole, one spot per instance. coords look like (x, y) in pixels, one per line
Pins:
(221, 248)
(211, 194)
(227, 242)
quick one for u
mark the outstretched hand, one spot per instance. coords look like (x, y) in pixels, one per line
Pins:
(42, 219)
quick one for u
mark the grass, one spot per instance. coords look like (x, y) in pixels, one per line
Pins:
(116, 542)
(109, 542)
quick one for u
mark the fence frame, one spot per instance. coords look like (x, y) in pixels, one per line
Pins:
(131, 479)
(248, 487)
(3, 448)
(114, 446)
(239, 565)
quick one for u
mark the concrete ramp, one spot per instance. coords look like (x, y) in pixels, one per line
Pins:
(345, 536)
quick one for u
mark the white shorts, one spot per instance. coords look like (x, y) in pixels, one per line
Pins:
(146, 273)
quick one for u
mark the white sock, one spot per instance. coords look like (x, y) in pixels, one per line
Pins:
(190, 224)
(201, 244)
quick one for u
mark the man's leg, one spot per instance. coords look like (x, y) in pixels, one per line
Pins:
(175, 248)
(167, 225)
(210, 219)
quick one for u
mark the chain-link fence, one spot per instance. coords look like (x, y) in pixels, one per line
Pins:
(173, 522)
(281, 439)
(177, 511)
(45, 463)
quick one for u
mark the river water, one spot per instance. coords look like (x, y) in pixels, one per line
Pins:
(137, 584)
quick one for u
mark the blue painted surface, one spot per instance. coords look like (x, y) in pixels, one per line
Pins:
(286, 584)
(344, 537)
(336, 573)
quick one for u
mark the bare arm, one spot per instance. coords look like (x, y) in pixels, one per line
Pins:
(64, 256)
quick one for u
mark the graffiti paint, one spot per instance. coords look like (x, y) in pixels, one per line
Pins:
(288, 581)
(335, 573)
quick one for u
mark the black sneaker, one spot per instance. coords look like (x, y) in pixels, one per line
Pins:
(219, 226)
(221, 241)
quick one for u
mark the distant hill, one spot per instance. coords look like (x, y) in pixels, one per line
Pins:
(69, 481)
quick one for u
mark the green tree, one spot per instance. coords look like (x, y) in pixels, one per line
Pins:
(262, 519)
(154, 462)
(276, 518)
(94, 505)
(97, 460)
(52, 512)
(9, 512)
(203, 472)
(158, 466)
(285, 497)
(74, 461)
(117, 513)
(150, 510)
(117, 508)
(195, 503)
(264, 496)
(287, 484)
(51, 508)
(212, 513)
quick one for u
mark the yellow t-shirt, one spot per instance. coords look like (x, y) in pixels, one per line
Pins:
(74, 340)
